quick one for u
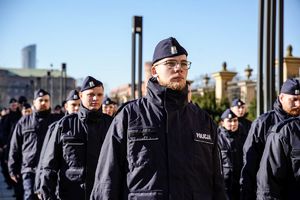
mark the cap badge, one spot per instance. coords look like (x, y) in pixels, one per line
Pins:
(229, 116)
(297, 92)
(173, 50)
(75, 96)
(91, 83)
(41, 94)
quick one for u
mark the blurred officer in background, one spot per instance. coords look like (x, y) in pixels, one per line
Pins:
(231, 140)
(109, 107)
(26, 143)
(239, 109)
(160, 146)
(285, 106)
(70, 160)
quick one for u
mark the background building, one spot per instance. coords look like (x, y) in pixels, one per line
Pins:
(23, 82)
(29, 56)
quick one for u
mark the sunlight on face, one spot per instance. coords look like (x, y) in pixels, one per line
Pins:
(92, 98)
(173, 78)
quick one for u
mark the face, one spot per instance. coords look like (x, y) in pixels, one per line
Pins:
(26, 111)
(13, 106)
(42, 103)
(92, 98)
(171, 77)
(231, 124)
(109, 109)
(72, 106)
(239, 110)
(290, 104)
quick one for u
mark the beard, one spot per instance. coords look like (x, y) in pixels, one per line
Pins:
(293, 111)
(174, 85)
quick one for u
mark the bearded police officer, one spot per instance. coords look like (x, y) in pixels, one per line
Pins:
(285, 106)
(26, 143)
(71, 106)
(70, 160)
(160, 146)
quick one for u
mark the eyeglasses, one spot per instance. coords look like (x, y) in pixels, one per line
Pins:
(173, 63)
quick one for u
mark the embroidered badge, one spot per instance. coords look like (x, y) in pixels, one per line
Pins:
(173, 50)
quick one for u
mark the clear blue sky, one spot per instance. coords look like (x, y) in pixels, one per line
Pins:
(94, 36)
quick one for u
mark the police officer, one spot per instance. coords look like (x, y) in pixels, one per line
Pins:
(231, 141)
(160, 146)
(285, 107)
(239, 109)
(70, 160)
(7, 125)
(26, 109)
(279, 171)
(109, 107)
(26, 142)
(71, 106)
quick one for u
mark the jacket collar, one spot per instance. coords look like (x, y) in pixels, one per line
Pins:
(166, 97)
(89, 115)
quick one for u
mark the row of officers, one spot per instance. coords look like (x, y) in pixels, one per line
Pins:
(158, 147)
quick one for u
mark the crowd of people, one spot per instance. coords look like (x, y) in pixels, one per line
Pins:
(158, 147)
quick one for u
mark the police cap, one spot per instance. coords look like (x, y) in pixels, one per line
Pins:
(291, 86)
(168, 48)
(89, 83)
(108, 101)
(12, 100)
(228, 114)
(73, 95)
(237, 102)
(40, 93)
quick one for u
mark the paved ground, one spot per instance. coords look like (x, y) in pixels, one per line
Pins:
(5, 194)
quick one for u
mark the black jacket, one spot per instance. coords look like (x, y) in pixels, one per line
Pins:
(279, 173)
(231, 146)
(160, 147)
(72, 154)
(254, 147)
(26, 142)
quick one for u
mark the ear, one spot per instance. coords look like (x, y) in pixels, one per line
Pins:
(80, 95)
(154, 72)
(281, 97)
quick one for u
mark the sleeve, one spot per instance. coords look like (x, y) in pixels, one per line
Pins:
(50, 164)
(252, 152)
(219, 188)
(272, 174)
(109, 177)
(44, 147)
(15, 151)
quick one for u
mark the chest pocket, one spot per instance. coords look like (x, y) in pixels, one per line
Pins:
(74, 150)
(295, 158)
(143, 145)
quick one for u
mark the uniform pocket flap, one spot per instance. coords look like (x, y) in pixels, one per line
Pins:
(142, 134)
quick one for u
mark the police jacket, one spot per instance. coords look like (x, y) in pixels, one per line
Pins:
(254, 146)
(26, 142)
(279, 173)
(231, 146)
(72, 154)
(246, 124)
(160, 147)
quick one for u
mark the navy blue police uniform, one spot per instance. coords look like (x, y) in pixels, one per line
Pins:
(256, 140)
(279, 172)
(73, 149)
(160, 147)
(73, 95)
(246, 123)
(26, 144)
(231, 147)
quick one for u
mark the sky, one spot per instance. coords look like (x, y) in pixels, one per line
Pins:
(94, 37)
